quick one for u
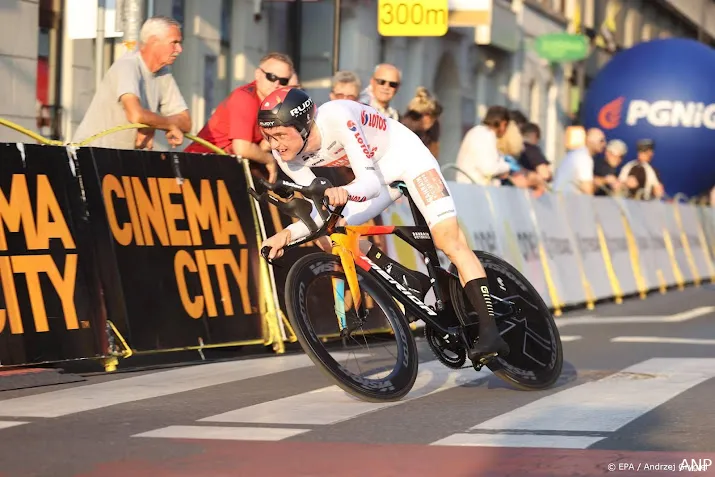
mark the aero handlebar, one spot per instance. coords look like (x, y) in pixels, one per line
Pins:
(300, 208)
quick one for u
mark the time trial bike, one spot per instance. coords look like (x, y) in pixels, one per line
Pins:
(338, 326)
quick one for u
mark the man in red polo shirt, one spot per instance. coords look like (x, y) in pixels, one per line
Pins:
(234, 128)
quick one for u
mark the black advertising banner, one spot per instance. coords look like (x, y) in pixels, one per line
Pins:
(49, 308)
(177, 246)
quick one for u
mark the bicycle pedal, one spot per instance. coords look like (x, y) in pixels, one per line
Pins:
(486, 358)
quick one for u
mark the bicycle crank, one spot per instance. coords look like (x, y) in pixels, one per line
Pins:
(446, 350)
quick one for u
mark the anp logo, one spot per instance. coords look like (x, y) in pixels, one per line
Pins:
(352, 126)
(609, 117)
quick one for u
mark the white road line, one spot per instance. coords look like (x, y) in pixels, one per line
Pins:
(6, 424)
(331, 404)
(223, 433)
(662, 339)
(152, 385)
(608, 404)
(518, 440)
(609, 320)
(565, 338)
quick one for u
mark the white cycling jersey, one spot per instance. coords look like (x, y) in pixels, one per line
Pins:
(380, 151)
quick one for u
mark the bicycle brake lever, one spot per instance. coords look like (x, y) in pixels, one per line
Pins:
(264, 253)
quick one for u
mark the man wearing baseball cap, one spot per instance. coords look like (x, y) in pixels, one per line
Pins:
(640, 175)
(605, 175)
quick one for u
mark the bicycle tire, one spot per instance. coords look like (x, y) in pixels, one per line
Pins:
(506, 368)
(391, 388)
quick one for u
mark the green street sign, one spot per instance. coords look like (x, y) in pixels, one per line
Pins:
(562, 47)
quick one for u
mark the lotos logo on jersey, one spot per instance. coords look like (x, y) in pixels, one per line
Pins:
(352, 126)
(370, 153)
(373, 120)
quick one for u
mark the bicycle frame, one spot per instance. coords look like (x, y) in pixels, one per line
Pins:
(346, 247)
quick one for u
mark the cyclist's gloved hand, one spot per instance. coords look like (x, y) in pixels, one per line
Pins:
(276, 244)
(336, 196)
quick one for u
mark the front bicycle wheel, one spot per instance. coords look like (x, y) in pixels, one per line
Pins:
(535, 358)
(378, 361)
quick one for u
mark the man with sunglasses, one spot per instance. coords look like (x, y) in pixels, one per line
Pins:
(233, 126)
(382, 89)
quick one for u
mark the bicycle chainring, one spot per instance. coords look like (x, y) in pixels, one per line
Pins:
(448, 352)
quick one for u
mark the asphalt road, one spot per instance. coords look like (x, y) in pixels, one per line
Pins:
(636, 392)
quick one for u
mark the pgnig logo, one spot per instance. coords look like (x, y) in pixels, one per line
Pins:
(661, 114)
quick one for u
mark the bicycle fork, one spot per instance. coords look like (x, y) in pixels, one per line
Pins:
(342, 246)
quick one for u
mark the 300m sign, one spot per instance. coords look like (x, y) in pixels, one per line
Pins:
(413, 17)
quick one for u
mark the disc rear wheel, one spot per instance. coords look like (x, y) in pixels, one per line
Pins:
(535, 358)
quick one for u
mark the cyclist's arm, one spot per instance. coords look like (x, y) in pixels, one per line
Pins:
(304, 176)
(367, 184)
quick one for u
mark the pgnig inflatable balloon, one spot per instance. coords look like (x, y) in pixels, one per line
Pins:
(662, 90)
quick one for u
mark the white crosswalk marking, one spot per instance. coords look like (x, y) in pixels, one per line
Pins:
(331, 405)
(224, 433)
(605, 405)
(120, 391)
(6, 424)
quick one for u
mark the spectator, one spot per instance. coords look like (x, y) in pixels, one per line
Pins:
(382, 89)
(605, 177)
(510, 146)
(518, 117)
(532, 158)
(234, 126)
(346, 85)
(294, 81)
(422, 118)
(478, 155)
(639, 174)
(575, 174)
(137, 87)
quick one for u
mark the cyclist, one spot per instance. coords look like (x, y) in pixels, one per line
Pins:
(380, 151)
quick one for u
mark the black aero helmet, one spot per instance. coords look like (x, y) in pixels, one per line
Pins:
(287, 107)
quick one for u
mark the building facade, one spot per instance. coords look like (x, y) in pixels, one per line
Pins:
(470, 68)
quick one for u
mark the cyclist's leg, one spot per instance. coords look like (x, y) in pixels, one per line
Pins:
(432, 197)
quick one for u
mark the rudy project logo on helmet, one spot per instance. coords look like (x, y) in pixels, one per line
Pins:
(373, 120)
(297, 111)
(352, 126)
(662, 113)
(266, 124)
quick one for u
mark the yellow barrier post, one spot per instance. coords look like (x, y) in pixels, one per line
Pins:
(686, 244)
(615, 284)
(274, 318)
(671, 254)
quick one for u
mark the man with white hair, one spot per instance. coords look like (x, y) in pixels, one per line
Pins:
(139, 88)
(382, 89)
(575, 173)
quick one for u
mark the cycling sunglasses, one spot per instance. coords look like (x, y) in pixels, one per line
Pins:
(273, 78)
(382, 82)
